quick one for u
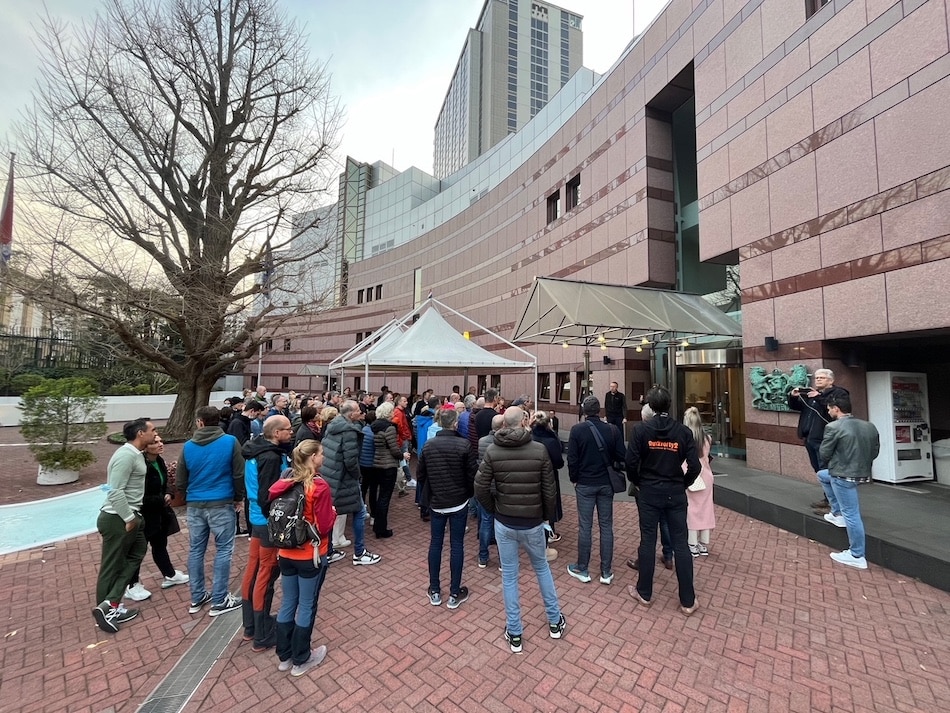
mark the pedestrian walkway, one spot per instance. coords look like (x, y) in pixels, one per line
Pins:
(780, 628)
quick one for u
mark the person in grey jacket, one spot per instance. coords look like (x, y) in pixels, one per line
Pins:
(445, 473)
(342, 441)
(515, 482)
(387, 454)
(847, 450)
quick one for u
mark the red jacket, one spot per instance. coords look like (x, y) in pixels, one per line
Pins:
(318, 509)
(402, 426)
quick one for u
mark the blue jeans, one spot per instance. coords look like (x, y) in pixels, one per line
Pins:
(534, 543)
(359, 531)
(456, 524)
(587, 497)
(301, 582)
(486, 531)
(202, 523)
(655, 501)
(843, 498)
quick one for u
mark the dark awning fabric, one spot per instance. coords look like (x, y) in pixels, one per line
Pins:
(583, 313)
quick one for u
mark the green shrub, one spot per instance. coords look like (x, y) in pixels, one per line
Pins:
(142, 390)
(21, 383)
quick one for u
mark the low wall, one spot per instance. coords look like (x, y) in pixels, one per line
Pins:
(119, 409)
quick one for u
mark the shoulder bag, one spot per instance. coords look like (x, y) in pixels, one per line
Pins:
(618, 480)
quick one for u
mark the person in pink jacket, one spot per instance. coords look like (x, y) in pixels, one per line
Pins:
(701, 515)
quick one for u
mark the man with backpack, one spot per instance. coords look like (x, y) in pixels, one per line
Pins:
(265, 460)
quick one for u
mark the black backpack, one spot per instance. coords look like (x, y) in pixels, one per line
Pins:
(286, 525)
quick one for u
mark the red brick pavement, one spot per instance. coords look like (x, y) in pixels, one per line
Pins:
(780, 628)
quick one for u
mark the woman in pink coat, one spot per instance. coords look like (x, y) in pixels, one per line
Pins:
(701, 515)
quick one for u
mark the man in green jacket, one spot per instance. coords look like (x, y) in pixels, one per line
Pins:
(120, 525)
(847, 450)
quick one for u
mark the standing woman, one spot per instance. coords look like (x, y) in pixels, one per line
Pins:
(387, 454)
(159, 517)
(701, 515)
(543, 433)
(303, 569)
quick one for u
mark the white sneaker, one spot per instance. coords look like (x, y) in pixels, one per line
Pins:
(137, 593)
(177, 578)
(836, 520)
(342, 543)
(846, 558)
(412, 483)
(366, 558)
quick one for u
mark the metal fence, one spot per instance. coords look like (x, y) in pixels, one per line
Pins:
(35, 350)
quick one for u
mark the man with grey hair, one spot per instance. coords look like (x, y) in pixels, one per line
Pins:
(446, 472)
(486, 521)
(591, 446)
(515, 482)
(813, 416)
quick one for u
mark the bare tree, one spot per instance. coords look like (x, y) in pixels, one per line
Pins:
(174, 141)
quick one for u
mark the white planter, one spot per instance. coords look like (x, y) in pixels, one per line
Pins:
(56, 476)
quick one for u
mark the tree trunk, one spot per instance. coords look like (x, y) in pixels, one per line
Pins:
(194, 391)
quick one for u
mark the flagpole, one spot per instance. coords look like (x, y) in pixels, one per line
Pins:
(6, 217)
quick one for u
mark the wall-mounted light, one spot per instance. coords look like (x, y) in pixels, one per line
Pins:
(639, 348)
(684, 343)
(771, 344)
(601, 339)
(644, 341)
(564, 344)
(603, 347)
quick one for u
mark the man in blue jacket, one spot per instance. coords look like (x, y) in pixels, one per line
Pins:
(655, 455)
(211, 474)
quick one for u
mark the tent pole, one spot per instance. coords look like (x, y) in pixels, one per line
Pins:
(671, 373)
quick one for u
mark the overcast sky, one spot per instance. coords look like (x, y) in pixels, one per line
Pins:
(390, 60)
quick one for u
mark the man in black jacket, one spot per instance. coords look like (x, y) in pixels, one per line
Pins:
(446, 473)
(615, 406)
(655, 456)
(587, 460)
(515, 482)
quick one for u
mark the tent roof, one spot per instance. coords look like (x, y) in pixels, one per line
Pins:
(429, 344)
(565, 311)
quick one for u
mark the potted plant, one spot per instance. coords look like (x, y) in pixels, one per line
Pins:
(59, 417)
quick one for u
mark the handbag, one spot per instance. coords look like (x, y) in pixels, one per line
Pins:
(697, 485)
(618, 479)
(172, 526)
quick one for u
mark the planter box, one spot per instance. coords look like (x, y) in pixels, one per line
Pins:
(56, 476)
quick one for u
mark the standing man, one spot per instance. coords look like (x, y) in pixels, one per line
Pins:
(211, 474)
(446, 473)
(341, 469)
(813, 416)
(241, 422)
(591, 446)
(615, 406)
(848, 448)
(515, 482)
(655, 456)
(483, 418)
(265, 460)
(404, 433)
(121, 525)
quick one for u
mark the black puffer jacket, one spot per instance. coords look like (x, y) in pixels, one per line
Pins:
(342, 440)
(386, 453)
(446, 470)
(519, 472)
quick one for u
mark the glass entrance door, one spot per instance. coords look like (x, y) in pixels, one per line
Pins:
(716, 392)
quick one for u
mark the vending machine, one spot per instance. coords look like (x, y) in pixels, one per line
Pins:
(898, 406)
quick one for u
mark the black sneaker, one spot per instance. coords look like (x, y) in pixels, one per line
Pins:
(435, 598)
(336, 556)
(123, 615)
(105, 614)
(455, 600)
(514, 641)
(557, 630)
(230, 603)
(196, 605)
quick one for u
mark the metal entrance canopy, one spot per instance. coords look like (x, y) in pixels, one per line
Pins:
(583, 313)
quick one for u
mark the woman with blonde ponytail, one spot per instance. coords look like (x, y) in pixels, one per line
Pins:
(303, 569)
(700, 515)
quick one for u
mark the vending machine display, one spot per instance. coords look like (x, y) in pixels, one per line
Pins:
(898, 406)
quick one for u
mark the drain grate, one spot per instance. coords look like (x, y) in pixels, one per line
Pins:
(177, 688)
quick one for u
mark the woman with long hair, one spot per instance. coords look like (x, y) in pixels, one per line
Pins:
(700, 515)
(303, 569)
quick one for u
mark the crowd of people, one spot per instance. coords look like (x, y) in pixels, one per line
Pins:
(476, 456)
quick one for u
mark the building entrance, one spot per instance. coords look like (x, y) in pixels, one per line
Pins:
(716, 390)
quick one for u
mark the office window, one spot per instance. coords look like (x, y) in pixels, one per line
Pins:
(359, 297)
(572, 193)
(359, 337)
(562, 384)
(496, 382)
(286, 345)
(269, 345)
(482, 380)
(379, 292)
(284, 382)
(357, 383)
(813, 6)
(369, 294)
(544, 387)
(554, 206)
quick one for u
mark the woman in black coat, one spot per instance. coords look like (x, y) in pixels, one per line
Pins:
(159, 519)
(542, 432)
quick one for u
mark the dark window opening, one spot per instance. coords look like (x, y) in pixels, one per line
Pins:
(379, 292)
(359, 297)
(554, 206)
(286, 345)
(269, 344)
(359, 337)
(573, 193)
(369, 294)
(284, 382)
(544, 387)
(813, 6)
(562, 384)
